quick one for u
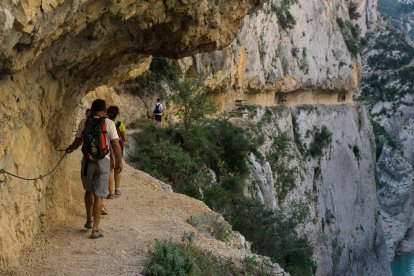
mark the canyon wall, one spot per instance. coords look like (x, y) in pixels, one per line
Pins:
(52, 52)
(303, 61)
(387, 89)
(307, 61)
(324, 158)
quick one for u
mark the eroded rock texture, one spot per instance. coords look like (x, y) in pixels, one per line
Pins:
(323, 156)
(51, 53)
(302, 62)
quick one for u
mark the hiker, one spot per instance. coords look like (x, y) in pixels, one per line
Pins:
(96, 134)
(158, 111)
(88, 113)
(115, 178)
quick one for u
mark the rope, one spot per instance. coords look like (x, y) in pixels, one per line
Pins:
(2, 171)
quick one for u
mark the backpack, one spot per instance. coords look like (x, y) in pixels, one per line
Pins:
(94, 138)
(121, 142)
(157, 109)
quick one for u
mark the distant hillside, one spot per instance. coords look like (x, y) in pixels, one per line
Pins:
(400, 13)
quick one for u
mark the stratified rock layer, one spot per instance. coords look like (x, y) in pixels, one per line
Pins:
(305, 62)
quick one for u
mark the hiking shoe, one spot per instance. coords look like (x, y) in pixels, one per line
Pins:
(117, 192)
(96, 234)
(89, 225)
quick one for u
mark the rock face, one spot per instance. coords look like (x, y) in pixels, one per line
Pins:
(368, 11)
(304, 62)
(387, 88)
(308, 60)
(51, 53)
(323, 156)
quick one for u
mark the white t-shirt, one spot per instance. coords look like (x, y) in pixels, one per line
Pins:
(161, 108)
(111, 128)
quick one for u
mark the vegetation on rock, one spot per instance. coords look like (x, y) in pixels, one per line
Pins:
(190, 155)
(284, 17)
(171, 258)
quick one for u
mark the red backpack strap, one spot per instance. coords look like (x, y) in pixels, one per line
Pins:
(103, 136)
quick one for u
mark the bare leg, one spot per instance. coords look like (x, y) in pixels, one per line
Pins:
(89, 205)
(112, 182)
(117, 180)
(97, 210)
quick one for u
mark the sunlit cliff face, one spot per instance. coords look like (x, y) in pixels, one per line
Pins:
(52, 52)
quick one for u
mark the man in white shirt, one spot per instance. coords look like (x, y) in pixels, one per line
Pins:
(95, 171)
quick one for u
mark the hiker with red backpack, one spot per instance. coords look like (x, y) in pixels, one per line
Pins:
(114, 177)
(96, 135)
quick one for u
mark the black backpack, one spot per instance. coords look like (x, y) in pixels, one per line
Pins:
(94, 138)
(157, 109)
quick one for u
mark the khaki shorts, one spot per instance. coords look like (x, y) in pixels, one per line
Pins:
(95, 176)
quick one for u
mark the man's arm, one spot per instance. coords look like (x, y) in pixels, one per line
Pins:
(75, 144)
(78, 139)
(118, 155)
(112, 157)
(124, 136)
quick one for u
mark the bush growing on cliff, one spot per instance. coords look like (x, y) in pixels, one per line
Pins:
(350, 34)
(381, 138)
(171, 258)
(284, 17)
(353, 10)
(160, 72)
(191, 103)
(321, 140)
(183, 159)
(273, 234)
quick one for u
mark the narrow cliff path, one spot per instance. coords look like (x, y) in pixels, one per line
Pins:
(145, 212)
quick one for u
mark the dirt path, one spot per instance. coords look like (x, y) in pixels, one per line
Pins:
(145, 212)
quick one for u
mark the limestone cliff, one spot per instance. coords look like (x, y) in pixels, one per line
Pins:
(309, 60)
(387, 89)
(303, 60)
(323, 156)
(51, 53)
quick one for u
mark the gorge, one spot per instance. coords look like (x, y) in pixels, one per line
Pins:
(295, 64)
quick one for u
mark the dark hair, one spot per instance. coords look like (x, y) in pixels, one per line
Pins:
(158, 99)
(112, 112)
(98, 105)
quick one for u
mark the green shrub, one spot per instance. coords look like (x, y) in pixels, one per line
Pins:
(273, 234)
(160, 71)
(233, 146)
(353, 10)
(350, 34)
(284, 17)
(381, 138)
(157, 155)
(212, 224)
(173, 259)
(217, 198)
(191, 102)
(356, 151)
(322, 139)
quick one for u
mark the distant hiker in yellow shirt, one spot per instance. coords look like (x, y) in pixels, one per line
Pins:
(114, 177)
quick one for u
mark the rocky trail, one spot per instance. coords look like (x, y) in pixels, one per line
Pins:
(145, 212)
